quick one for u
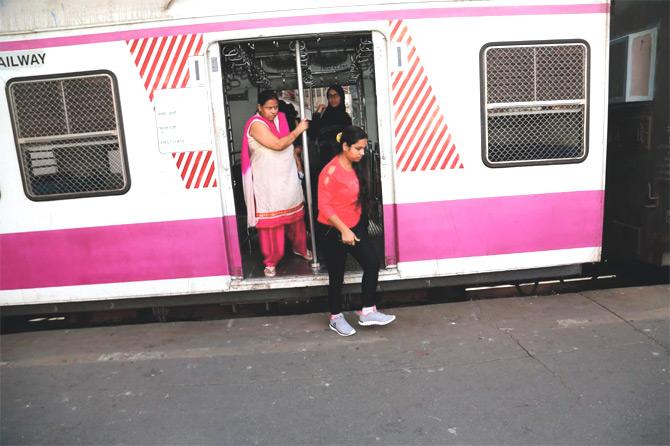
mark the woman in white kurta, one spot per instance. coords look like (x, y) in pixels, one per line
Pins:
(272, 188)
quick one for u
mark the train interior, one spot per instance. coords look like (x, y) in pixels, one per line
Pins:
(249, 67)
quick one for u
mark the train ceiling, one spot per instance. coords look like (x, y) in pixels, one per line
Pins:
(272, 63)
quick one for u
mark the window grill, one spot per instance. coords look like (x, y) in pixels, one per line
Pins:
(68, 136)
(535, 99)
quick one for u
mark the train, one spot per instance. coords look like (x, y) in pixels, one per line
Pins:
(120, 128)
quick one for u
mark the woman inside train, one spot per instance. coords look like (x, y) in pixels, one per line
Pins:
(327, 122)
(272, 188)
(343, 224)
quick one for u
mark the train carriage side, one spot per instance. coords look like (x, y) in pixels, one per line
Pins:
(92, 208)
(499, 142)
(491, 153)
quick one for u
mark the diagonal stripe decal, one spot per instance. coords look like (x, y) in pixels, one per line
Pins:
(162, 63)
(196, 168)
(423, 140)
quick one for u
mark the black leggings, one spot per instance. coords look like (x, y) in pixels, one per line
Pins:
(336, 256)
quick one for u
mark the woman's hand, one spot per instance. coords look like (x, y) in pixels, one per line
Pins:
(304, 125)
(320, 108)
(348, 237)
(263, 135)
(297, 151)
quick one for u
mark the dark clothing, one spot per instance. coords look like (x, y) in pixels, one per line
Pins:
(290, 112)
(325, 127)
(325, 132)
(336, 255)
(291, 116)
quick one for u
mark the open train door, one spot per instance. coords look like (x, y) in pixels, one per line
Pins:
(304, 67)
(382, 155)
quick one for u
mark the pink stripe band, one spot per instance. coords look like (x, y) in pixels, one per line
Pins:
(490, 226)
(109, 254)
(210, 247)
(428, 13)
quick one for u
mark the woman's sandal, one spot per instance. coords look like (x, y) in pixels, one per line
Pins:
(307, 256)
(270, 271)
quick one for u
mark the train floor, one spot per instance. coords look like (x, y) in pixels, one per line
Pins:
(588, 367)
(290, 264)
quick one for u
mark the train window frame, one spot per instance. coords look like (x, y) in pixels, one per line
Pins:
(105, 141)
(627, 70)
(535, 107)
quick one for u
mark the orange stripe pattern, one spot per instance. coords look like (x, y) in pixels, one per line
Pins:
(163, 64)
(422, 138)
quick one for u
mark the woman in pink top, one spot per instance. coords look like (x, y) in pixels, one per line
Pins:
(343, 223)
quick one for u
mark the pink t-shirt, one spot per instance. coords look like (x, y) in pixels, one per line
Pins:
(338, 194)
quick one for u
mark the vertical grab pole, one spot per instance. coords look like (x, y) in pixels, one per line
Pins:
(305, 154)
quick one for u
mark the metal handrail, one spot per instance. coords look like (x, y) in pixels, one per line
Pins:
(305, 154)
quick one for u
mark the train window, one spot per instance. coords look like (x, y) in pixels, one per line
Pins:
(68, 133)
(534, 103)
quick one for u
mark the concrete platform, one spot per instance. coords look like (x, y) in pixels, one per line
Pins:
(587, 368)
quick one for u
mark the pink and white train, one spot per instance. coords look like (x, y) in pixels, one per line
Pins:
(120, 134)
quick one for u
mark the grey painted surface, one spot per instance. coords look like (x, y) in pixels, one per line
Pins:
(588, 368)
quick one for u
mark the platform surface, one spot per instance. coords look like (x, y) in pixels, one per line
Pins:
(583, 368)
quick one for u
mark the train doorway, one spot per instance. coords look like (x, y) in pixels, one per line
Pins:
(300, 70)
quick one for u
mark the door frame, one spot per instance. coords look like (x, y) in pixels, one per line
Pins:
(384, 127)
(224, 171)
(380, 43)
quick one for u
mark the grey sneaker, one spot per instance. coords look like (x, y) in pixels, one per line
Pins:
(341, 327)
(375, 318)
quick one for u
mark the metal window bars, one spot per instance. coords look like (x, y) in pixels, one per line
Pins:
(67, 132)
(535, 103)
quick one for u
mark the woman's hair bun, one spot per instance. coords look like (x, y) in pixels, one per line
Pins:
(338, 138)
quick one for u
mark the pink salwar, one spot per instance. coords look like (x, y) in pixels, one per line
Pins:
(272, 240)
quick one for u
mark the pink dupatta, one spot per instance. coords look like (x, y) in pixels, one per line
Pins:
(279, 128)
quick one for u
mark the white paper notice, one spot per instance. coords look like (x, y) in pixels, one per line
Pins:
(182, 120)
